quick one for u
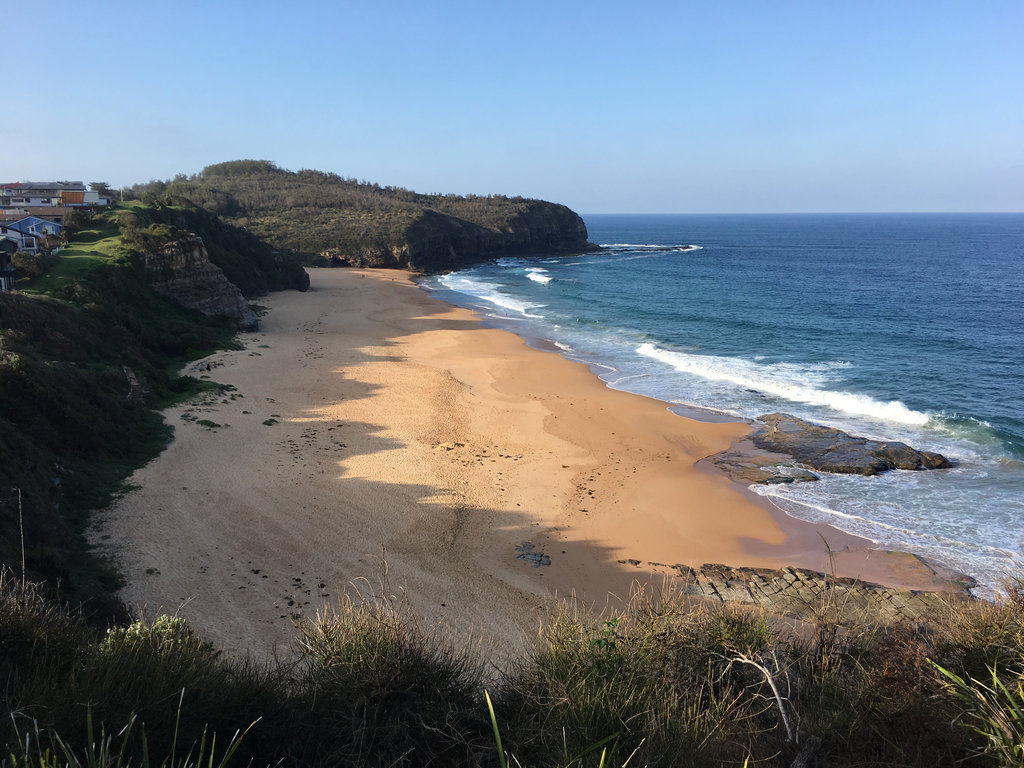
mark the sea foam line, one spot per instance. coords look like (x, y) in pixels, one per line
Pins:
(652, 247)
(750, 375)
(989, 564)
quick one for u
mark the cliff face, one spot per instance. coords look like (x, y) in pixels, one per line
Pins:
(438, 242)
(181, 270)
(251, 264)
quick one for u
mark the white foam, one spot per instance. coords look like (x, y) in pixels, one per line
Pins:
(912, 511)
(652, 246)
(465, 282)
(787, 381)
(539, 275)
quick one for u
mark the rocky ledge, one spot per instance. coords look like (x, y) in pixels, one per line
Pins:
(802, 593)
(783, 449)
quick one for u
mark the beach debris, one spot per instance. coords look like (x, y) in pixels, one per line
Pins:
(526, 552)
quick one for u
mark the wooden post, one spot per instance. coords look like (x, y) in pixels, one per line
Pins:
(21, 530)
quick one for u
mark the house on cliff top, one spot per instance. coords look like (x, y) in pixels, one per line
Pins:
(50, 194)
(30, 233)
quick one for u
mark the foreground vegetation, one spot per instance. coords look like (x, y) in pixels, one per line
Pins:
(660, 684)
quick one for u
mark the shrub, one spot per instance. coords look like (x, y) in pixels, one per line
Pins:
(659, 678)
(30, 264)
(386, 692)
(37, 634)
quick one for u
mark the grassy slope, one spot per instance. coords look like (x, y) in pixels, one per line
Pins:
(91, 247)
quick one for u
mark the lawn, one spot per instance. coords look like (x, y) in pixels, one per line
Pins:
(88, 249)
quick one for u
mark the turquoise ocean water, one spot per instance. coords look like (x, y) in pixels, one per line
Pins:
(894, 326)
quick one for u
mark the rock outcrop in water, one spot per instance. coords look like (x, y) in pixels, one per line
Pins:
(182, 271)
(783, 448)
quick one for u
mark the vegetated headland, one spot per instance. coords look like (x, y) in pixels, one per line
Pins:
(339, 221)
(778, 667)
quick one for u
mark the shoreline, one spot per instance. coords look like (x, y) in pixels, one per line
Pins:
(379, 440)
(817, 536)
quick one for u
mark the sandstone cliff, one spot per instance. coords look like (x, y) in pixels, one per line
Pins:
(251, 264)
(181, 270)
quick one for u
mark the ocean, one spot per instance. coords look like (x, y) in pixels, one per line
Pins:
(892, 326)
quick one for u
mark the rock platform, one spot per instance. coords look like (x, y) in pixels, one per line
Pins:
(803, 594)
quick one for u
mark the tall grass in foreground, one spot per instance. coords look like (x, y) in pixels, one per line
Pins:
(995, 711)
(36, 749)
(659, 684)
(658, 679)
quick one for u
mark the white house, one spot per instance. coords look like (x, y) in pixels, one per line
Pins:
(46, 193)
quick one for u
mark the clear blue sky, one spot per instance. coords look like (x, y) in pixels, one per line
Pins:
(712, 106)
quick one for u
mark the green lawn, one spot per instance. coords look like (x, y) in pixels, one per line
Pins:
(87, 250)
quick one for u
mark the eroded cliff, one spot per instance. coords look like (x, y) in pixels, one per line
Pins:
(182, 271)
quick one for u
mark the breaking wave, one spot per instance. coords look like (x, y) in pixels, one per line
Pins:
(538, 275)
(789, 382)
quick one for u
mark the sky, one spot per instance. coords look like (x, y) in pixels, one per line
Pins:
(720, 106)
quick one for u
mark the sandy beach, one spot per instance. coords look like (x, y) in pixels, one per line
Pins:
(377, 439)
